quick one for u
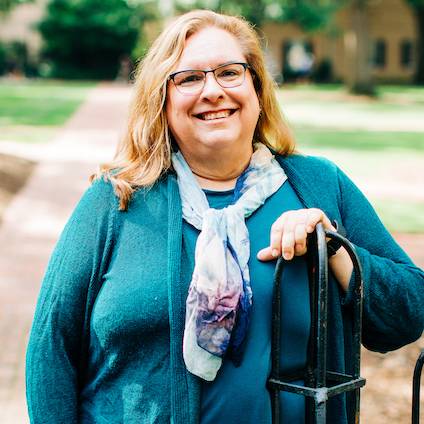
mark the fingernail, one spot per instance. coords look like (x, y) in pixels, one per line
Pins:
(274, 253)
(286, 255)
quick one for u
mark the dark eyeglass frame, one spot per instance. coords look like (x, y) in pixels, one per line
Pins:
(205, 72)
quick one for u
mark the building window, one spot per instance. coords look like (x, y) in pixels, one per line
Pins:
(286, 74)
(298, 59)
(309, 47)
(380, 54)
(406, 53)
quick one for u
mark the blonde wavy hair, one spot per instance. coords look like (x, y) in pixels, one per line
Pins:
(144, 154)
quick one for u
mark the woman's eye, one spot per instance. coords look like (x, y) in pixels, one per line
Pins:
(189, 79)
(229, 73)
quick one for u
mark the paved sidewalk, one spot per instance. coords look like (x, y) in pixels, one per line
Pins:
(34, 219)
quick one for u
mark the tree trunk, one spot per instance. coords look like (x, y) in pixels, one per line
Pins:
(357, 45)
(419, 72)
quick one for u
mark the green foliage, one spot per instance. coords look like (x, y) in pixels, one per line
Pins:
(416, 3)
(14, 59)
(88, 38)
(309, 14)
(146, 10)
(6, 5)
(253, 11)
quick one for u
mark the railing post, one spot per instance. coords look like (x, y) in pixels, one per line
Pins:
(319, 383)
(416, 389)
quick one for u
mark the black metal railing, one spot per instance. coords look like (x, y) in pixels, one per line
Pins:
(416, 383)
(319, 383)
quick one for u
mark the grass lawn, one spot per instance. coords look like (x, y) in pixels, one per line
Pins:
(358, 140)
(414, 94)
(31, 111)
(401, 217)
(378, 142)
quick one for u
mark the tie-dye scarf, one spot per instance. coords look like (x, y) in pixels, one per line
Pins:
(220, 297)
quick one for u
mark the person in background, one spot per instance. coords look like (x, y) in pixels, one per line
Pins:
(156, 304)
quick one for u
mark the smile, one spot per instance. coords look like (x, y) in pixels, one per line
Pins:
(208, 116)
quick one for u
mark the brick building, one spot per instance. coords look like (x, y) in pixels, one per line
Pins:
(392, 36)
(392, 48)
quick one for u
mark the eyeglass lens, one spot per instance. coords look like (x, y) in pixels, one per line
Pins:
(227, 76)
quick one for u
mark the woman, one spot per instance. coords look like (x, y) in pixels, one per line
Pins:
(156, 305)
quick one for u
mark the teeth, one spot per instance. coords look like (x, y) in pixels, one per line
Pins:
(215, 115)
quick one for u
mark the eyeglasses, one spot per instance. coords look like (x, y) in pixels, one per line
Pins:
(192, 81)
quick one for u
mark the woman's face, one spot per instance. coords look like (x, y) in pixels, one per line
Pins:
(192, 119)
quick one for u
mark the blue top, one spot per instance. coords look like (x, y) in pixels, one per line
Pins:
(106, 342)
(239, 394)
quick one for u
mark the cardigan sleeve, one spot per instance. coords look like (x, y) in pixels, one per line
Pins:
(53, 361)
(393, 292)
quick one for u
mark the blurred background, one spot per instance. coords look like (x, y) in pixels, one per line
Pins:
(350, 77)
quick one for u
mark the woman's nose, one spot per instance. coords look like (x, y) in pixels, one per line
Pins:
(212, 91)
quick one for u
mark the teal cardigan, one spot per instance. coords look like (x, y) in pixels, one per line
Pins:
(133, 371)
